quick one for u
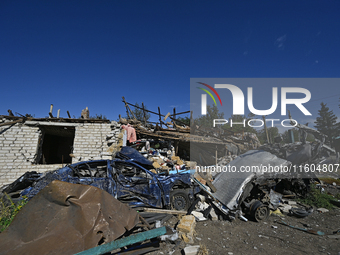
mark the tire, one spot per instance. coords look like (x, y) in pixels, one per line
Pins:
(179, 200)
(14, 197)
(259, 211)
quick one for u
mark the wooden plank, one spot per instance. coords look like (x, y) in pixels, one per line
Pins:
(127, 106)
(166, 116)
(174, 117)
(126, 103)
(11, 123)
(132, 239)
(145, 222)
(51, 109)
(160, 117)
(145, 109)
(183, 112)
(164, 211)
(144, 116)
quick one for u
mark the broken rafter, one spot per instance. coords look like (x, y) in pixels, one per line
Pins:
(12, 122)
(153, 210)
(54, 119)
(144, 115)
(127, 105)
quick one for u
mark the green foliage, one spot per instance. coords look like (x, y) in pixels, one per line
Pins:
(318, 199)
(139, 113)
(185, 120)
(272, 133)
(99, 117)
(8, 210)
(239, 128)
(330, 180)
(207, 120)
(326, 123)
(213, 113)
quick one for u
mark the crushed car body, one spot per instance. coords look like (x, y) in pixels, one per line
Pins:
(252, 189)
(124, 179)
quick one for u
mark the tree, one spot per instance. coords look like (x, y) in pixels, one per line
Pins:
(99, 117)
(139, 113)
(326, 123)
(207, 120)
(239, 128)
(272, 133)
(185, 120)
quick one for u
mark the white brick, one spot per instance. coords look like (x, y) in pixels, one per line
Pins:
(10, 138)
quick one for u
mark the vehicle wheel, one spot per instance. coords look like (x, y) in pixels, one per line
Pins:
(14, 197)
(259, 211)
(179, 200)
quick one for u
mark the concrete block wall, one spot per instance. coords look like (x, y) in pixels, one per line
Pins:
(19, 142)
(90, 142)
(18, 147)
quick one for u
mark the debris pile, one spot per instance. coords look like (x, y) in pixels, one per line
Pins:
(151, 172)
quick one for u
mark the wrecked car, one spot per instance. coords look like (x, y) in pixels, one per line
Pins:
(252, 190)
(256, 192)
(126, 180)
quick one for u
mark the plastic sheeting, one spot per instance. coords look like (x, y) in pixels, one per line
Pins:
(66, 218)
(130, 153)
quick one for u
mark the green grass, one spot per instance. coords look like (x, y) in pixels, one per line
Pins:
(329, 180)
(8, 210)
(318, 199)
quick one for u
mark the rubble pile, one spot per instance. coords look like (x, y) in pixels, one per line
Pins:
(148, 173)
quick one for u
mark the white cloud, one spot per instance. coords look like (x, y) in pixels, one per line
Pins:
(280, 42)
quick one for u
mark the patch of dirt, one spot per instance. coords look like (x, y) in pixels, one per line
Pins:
(268, 237)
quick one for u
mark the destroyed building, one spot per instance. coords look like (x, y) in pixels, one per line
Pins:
(42, 144)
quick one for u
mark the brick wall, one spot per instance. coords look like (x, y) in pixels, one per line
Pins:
(19, 142)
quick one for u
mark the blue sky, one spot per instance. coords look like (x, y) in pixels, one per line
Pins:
(74, 54)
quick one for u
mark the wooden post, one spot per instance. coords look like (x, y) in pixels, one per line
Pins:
(144, 116)
(51, 109)
(160, 116)
(69, 115)
(216, 157)
(58, 114)
(174, 118)
(176, 147)
(127, 112)
(10, 113)
(127, 107)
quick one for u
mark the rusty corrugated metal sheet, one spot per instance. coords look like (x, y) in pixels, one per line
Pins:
(66, 218)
